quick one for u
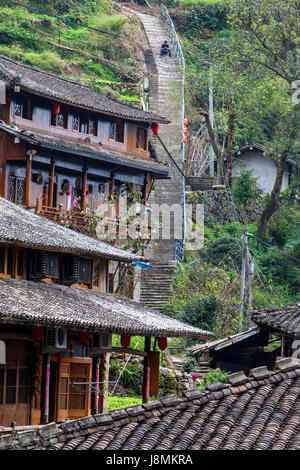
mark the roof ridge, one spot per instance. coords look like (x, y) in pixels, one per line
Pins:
(46, 72)
(69, 80)
(286, 368)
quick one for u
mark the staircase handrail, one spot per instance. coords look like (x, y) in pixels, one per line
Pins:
(166, 18)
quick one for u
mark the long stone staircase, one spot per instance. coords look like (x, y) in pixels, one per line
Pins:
(165, 83)
(156, 287)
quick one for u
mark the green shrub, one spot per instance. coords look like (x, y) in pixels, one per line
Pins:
(47, 60)
(199, 311)
(10, 34)
(224, 249)
(189, 365)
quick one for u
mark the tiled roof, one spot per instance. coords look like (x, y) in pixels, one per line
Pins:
(158, 170)
(259, 412)
(223, 343)
(28, 230)
(41, 303)
(284, 320)
(69, 91)
(260, 148)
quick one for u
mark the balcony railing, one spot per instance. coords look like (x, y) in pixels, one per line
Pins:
(112, 228)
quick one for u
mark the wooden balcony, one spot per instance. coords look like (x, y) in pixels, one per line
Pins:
(86, 222)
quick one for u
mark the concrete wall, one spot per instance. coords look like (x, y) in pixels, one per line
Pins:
(263, 168)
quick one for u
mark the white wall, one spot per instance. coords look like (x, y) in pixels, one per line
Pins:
(263, 168)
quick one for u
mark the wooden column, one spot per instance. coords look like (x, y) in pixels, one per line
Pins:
(28, 179)
(84, 188)
(106, 383)
(95, 378)
(146, 372)
(111, 194)
(51, 183)
(2, 163)
(45, 388)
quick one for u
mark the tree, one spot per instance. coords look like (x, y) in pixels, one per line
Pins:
(268, 38)
(239, 90)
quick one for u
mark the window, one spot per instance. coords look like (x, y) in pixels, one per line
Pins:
(15, 376)
(21, 257)
(16, 192)
(6, 261)
(116, 131)
(96, 274)
(11, 386)
(84, 268)
(60, 119)
(23, 107)
(78, 393)
(23, 385)
(141, 138)
(85, 123)
(63, 393)
(36, 265)
(52, 266)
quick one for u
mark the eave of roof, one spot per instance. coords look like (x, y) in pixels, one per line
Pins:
(49, 85)
(260, 148)
(23, 228)
(259, 412)
(224, 342)
(284, 320)
(158, 170)
(45, 304)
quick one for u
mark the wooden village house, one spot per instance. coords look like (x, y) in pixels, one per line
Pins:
(253, 157)
(243, 351)
(57, 320)
(64, 149)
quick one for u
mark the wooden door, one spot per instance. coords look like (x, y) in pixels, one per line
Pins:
(74, 397)
(15, 380)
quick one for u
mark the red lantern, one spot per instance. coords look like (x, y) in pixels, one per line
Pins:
(37, 333)
(185, 130)
(125, 341)
(56, 108)
(155, 129)
(84, 337)
(186, 121)
(184, 139)
(162, 343)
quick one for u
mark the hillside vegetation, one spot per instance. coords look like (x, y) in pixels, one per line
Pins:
(252, 99)
(52, 36)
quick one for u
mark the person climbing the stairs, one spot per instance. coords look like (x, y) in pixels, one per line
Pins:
(165, 49)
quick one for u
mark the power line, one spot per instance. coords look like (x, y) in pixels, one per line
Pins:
(28, 7)
(118, 36)
(274, 247)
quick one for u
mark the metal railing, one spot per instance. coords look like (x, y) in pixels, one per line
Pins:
(164, 14)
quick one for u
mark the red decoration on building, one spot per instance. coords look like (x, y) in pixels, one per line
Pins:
(186, 121)
(155, 129)
(185, 131)
(184, 139)
(45, 195)
(84, 337)
(162, 343)
(56, 108)
(125, 341)
(37, 333)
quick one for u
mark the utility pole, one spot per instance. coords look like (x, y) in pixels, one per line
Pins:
(243, 279)
(211, 118)
(246, 272)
